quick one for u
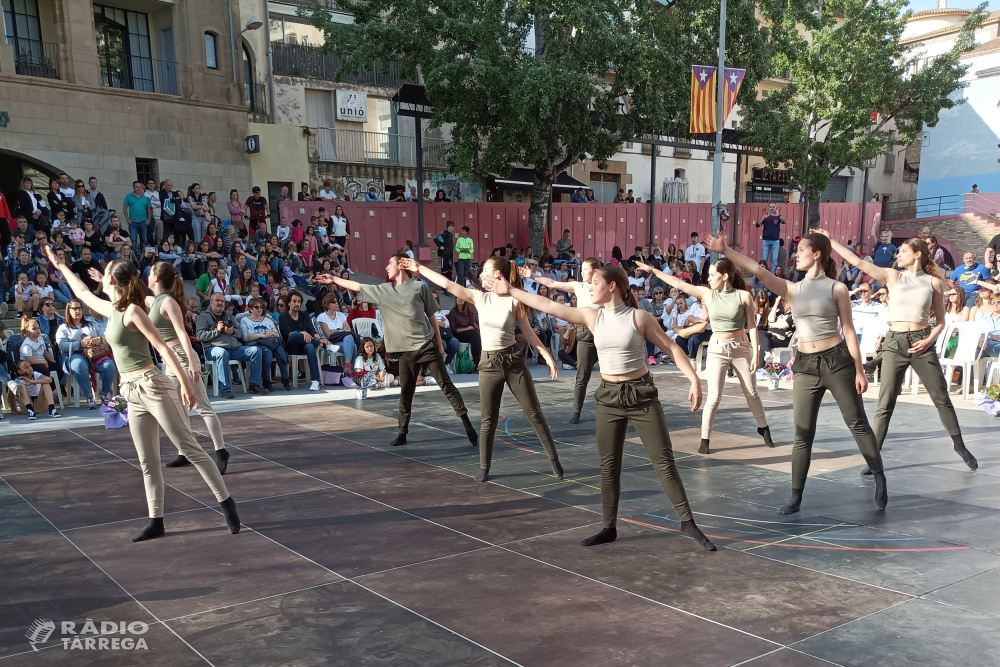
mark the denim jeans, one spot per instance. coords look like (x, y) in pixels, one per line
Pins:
(137, 232)
(268, 356)
(462, 266)
(970, 298)
(220, 358)
(451, 345)
(296, 345)
(769, 249)
(80, 368)
(345, 339)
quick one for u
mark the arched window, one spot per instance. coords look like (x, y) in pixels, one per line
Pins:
(249, 80)
(211, 51)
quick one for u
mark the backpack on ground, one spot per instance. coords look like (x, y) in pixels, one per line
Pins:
(463, 363)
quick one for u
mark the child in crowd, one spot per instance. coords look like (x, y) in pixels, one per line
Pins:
(75, 235)
(33, 391)
(25, 297)
(43, 290)
(221, 285)
(371, 361)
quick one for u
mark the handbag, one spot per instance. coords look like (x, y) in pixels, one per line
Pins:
(463, 363)
(687, 332)
(331, 374)
(94, 348)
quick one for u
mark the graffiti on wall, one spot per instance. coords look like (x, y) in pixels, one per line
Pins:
(357, 188)
(454, 189)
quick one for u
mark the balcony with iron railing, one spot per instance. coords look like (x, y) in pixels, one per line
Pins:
(311, 62)
(326, 4)
(140, 73)
(33, 57)
(256, 98)
(357, 147)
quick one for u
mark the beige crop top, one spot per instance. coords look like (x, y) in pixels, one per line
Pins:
(814, 309)
(911, 297)
(497, 317)
(620, 347)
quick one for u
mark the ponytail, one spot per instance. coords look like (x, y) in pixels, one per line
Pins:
(927, 263)
(821, 244)
(128, 282)
(725, 266)
(508, 270)
(167, 275)
(617, 276)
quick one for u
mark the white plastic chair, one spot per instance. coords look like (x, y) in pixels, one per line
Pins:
(210, 370)
(701, 356)
(363, 326)
(57, 389)
(968, 355)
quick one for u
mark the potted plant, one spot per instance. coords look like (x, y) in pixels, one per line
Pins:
(115, 412)
(773, 371)
(989, 398)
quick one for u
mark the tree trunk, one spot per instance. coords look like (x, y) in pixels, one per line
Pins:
(814, 213)
(541, 193)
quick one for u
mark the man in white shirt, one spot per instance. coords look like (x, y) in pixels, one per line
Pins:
(65, 187)
(153, 195)
(864, 311)
(695, 252)
(531, 285)
(327, 193)
(412, 194)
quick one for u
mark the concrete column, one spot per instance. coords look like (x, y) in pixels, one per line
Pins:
(78, 62)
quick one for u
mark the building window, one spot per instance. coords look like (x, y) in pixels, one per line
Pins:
(123, 49)
(145, 170)
(211, 52)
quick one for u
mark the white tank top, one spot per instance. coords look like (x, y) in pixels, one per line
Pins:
(496, 321)
(620, 347)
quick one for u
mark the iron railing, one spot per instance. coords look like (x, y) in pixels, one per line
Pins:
(257, 99)
(957, 204)
(33, 57)
(310, 62)
(140, 73)
(326, 4)
(357, 147)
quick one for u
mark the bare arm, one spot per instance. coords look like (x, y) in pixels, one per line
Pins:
(533, 341)
(327, 279)
(79, 288)
(646, 324)
(883, 275)
(137, 317)
(462, 292)
(850, 335)
(582, 316)
(751, 328)
(548, 282)
(776, 285)
(702, 293)
(176, 317)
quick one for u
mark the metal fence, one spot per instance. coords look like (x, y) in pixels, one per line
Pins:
(357, 147)
(33, 57)
(326, 4)
(140, 73)
(311, 62)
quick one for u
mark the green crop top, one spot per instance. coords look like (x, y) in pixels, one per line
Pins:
(725, 310)
(160, 320)
(131, 349)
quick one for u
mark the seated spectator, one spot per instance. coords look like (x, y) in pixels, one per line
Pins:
(464, 321)
(61, 290)
(637, 279)
(73, 342)
(25, 297)
(93, 239)
(334, 327)
(34, 349)
(695, 331)
(369, 360)
(202, 288)
(866, 312)
(49, 320)
(222, 341)
(114, 239)
(220, 285)
(780, 328)
(263, 332)
(968, 276)
(655, 305)
(361, 309)
(991, 320)
(33, 391)
(300, 337)
(451, 344)
(82, 268)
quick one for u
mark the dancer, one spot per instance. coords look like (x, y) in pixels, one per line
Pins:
(586, 353)
(166, 311)
(627, 392)
(730, 309)
(502, 361)
(824, 361)
(916, 289)
(152, 401)
(412, 332)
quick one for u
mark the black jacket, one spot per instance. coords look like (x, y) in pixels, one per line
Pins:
(24, 203)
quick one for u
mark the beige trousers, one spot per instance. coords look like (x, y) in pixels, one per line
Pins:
(721, 353)
(153, 403)
(201, 405)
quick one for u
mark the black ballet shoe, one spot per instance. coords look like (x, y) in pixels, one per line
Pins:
(400, 440)
(765, 432)
(605, 536)
(557, 468)
(866, 471)
(967, 456)
(704, 446)
(881, 492)
(483, 475)
(470, 431)
(232, 518)
(153, 529)
(222, 460)
(179, 462)
(694, 532)
(793, 505)
(575, 419)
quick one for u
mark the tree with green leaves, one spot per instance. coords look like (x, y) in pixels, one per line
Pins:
(597, 73)
(846, 61)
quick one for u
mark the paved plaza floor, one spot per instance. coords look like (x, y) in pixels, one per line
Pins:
(355, 553)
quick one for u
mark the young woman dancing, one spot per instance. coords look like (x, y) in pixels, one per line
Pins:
(166, 311)
(586, 353)
(825, 359)
(502, 362)
(627, 392)
(731, 311)
(152, 400)
(915, 289)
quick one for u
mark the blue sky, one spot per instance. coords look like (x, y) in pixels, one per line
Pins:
(918, 5)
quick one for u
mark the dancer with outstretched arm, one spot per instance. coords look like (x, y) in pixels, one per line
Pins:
(152, 400)
(627, 392)
(734, 341)
(586, 353)
(502, 362)
(825, 360)
(915, 289)
(412, 332)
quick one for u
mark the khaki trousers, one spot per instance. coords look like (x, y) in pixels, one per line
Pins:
(152, 404)
(721, 353)
(201, 405)
(586, 357)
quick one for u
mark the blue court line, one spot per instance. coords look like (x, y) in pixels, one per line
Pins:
(831, 539)
(506, 428)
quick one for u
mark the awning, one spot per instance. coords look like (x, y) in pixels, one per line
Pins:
(524, 179)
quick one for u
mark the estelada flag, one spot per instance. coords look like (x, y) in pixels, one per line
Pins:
(734, 79)
(703, 93)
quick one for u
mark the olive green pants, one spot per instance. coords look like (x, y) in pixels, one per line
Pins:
(586, 357)
(498, 368)
(831, 369)
(636, 401)
(895, 360)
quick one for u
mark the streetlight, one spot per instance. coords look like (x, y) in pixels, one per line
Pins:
(253, 24)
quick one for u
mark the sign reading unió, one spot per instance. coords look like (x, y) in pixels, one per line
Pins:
(352, 105)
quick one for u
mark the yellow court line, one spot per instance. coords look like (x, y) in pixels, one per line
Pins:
(804, 535)
(793, 537)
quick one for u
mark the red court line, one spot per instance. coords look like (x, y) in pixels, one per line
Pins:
(794, 546)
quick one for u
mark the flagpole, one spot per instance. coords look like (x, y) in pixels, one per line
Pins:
(720, 110)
